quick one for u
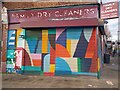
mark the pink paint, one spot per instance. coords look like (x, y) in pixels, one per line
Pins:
(19, 57)
(59, 31)
(35, 56)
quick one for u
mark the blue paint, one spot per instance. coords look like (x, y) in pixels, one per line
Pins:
(62, 39)
(39, 48)
(32, 45)
(10, 70)
(86, 64)
(48, 46)
(61, 67)
(74, 33)
(10, 40)
(19, 71)
(81, 47)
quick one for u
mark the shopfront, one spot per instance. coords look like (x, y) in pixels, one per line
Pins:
(55, 41)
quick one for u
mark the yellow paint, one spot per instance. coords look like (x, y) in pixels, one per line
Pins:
(69, 46)
(44, 41)
(52, 67)
(98, 64)
(73, 46)
(17, 36)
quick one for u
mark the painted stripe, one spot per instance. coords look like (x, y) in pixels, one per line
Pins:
(13, 35)
(98, 64)
(31, 68)
(52, 67)
(79, 64)
(44, 41)
(85, 73)
(12, 38)
(11, 43)
(13, 32)
(69, 46)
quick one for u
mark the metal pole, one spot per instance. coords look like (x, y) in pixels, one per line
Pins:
(118, 36)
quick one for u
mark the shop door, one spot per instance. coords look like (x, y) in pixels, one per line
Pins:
(61, 51)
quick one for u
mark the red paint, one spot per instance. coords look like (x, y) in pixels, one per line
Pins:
(91, 46)
(48, 73)
(52, 56)
(66, 23)
(94, 64)
(109, 10)
(26, 60)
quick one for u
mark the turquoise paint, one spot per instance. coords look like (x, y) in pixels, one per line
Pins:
(10, 54)
(31, 68)
(85, 73)
(52, 31)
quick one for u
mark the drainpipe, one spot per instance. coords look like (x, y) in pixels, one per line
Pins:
(4, 19)
(0, 46)
(0, 33)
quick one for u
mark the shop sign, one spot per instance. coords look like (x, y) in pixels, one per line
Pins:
(54, 14)
(109, 10)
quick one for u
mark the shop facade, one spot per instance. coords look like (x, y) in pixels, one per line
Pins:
(55, 41)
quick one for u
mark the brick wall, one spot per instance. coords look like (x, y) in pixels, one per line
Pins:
(23, 5)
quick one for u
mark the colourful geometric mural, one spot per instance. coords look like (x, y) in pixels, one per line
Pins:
(57, 51)
(11, 45)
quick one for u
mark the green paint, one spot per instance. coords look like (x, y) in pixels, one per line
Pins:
(9, 62)
(10, 54)
(41, 72)
(52, 31)
(32, 38)
(79, 64)
(32, 35)
(31, 68)
(98, 74)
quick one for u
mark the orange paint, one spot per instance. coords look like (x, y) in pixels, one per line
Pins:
(36, 62)
(61, 51)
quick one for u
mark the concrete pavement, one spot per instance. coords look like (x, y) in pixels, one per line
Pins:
(109, 79)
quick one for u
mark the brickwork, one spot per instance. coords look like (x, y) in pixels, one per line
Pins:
(23, 5)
